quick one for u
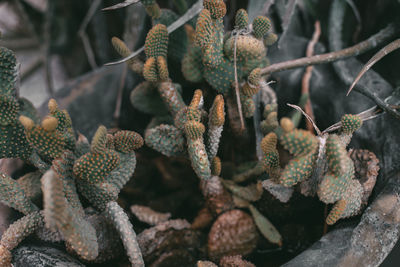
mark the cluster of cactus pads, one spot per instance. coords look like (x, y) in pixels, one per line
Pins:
(320, 164)
(68, 170)
(207, 52)
(212, 54)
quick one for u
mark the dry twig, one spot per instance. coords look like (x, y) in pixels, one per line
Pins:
(82, 33)
(305, 83)
(378, 56)
(121, 5)
(354, 50)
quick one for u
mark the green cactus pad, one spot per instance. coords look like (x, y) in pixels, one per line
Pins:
(192, 66)
(162, 68)
(248, 49)
(125, 229)
(98, 194)
(20, 229)
(171, 97)
(166, 139)
(204, 30)
(30, 184)
(299, 142)
(353, 197)
(194, 130)
(178, 40)
(241, 18)
(62, 116)
(222, 76)
(156, 43)
(127, 141)
(13, 142)
(145, 98)
(59, 215)
(198, 157)
(332, 188)
(269, 142)
(270, 38)
(94, 167)
(297, 170)
(350, 123)
(248, 106)
(254, 77)
(338, 160)
(9, 109)
(217, 113)
(8, 72)
(217, 8)
(261, 25)
(48, 143)
(271, 160)
(150, 72)
(12, 195)
(121, 175)
(212, 56)
(186, 114)
(336, 212)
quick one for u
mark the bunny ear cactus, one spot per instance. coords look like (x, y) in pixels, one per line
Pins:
(102, 172)
(300, 143)
(213, 55)
(17, 232)
(170, 139)
(98, 170)
(178, 39)
(350, 123)
(156, 47)
(339, 184)
(215, 126)
(194, 131)
(336, 185)
(134, 64)
(95, 165)
(45, 138)
(241, 19)
(12, 195)
(60, 216)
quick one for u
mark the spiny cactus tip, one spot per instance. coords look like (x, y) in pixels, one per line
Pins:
(49, 123)
(194, 130)
(268, 143)
(287, 124)
(52, 105)
(26, 122)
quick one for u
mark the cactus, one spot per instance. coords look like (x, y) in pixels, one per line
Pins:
(337, 184)
(68, 169)
(125, 229)
(211, 56)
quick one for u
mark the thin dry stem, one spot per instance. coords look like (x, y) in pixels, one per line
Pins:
(305, 83)
(354, 50)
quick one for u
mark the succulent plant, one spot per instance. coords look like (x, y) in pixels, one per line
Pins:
(211, 53)
(337, 184)
(67, 170)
